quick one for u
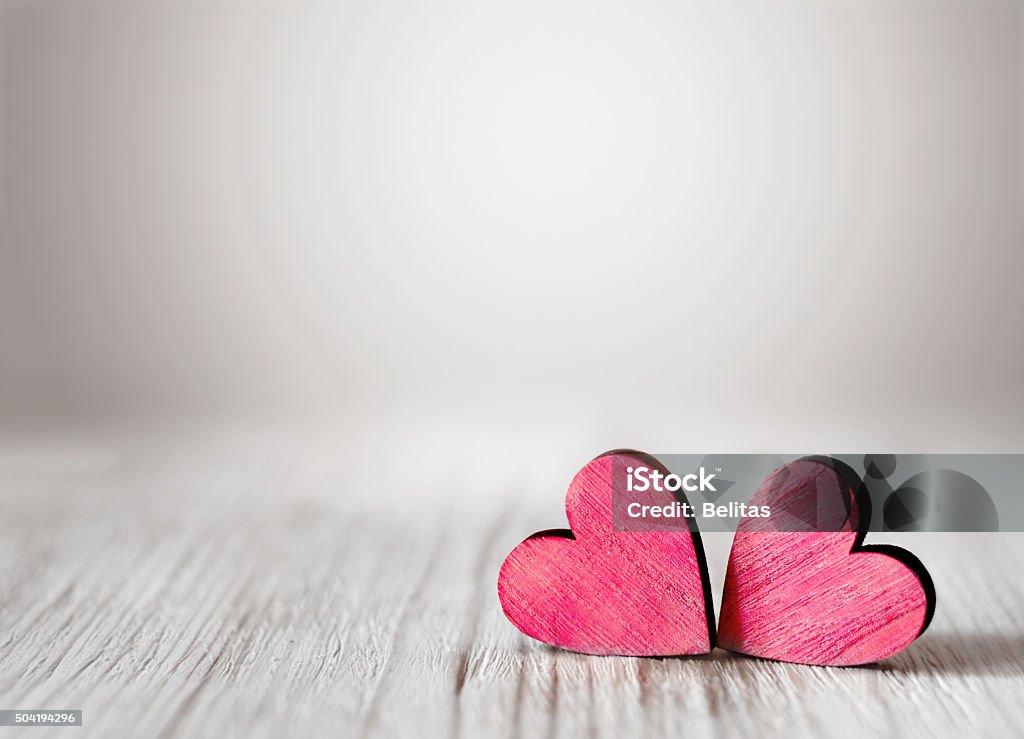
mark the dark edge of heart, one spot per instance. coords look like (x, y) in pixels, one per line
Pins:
(862, 499)
(698, 545)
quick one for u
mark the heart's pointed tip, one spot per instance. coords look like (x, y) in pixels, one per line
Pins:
(769, 656)
(784, 652)
(678, 652)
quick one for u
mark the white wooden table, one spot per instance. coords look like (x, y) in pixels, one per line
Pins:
(180, 590)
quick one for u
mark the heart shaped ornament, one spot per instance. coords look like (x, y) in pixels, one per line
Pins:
(801, 587)
(601, 589)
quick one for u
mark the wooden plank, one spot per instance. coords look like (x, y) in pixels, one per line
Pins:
(173, 593)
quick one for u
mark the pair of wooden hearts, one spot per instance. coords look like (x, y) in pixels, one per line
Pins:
(817, 597)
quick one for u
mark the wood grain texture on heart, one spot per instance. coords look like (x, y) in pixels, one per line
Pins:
(600, 590)
(801, 587)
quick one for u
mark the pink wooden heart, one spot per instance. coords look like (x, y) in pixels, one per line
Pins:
(818, 596)
(602, 591)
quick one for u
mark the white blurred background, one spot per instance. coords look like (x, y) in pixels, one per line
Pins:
(550, 227)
